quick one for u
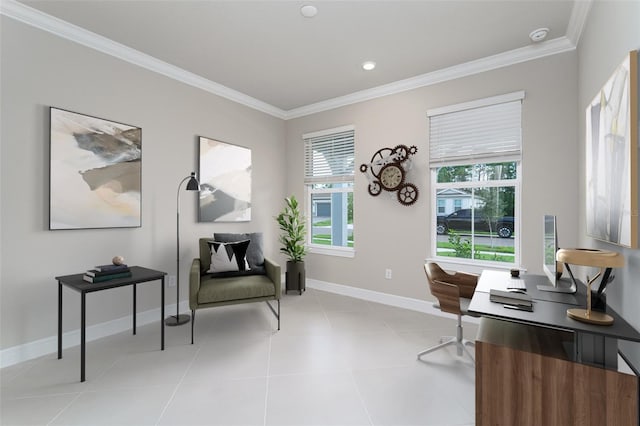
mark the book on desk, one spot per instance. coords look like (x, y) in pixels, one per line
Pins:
(510, 299)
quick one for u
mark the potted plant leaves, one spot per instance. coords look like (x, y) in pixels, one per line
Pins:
(292, 238)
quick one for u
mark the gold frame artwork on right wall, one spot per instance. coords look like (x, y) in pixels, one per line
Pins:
(612, 158)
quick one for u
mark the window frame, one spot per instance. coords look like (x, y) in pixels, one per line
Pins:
(309, 190)
(340, 251)
(516, 183)
(511, 156)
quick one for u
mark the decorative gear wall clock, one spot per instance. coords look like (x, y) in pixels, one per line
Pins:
(388, 171)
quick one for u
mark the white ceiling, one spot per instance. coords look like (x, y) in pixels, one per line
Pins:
(267, 53)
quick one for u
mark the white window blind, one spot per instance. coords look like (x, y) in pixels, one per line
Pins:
(476, 135)
(329, 158)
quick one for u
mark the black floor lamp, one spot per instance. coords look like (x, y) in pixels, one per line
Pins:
(177, 319)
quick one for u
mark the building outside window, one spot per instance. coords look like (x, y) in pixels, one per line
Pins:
(329, 178)
(475, 160)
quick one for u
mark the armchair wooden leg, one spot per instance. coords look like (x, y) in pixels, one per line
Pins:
(193, 320)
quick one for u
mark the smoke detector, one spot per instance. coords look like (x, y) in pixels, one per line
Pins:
(538, 35)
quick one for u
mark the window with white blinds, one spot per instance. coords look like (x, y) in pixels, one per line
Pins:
(476, 133)
(475, 160)
(329, 157)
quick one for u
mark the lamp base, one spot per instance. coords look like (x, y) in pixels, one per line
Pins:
(174, 320)
(595, 317)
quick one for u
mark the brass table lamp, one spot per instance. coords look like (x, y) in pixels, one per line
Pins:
(603, 259)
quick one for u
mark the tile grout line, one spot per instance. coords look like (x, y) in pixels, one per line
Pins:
(65, 408)
(362, 401)
(324, 312)
(82, 392)
(266, 389)
(175, 390)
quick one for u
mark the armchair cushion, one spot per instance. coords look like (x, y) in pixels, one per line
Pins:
(217, 290)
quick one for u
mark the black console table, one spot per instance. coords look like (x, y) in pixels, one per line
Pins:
(75, 282)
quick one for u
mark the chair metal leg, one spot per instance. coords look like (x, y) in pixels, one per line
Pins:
(458, 340)
(464, 345)
(277, 314)
(446, 343)
(193, 321)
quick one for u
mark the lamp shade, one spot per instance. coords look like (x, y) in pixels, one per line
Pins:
(591, 257)
(193, 184)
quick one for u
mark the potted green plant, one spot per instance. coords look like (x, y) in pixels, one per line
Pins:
(292, 238)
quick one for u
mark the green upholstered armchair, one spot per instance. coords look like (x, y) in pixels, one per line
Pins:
(259, 284)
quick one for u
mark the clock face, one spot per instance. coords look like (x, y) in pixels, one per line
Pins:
(391, 176)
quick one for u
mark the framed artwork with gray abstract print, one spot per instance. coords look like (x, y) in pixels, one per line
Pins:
(95, 172)
(612, 158)
(225, 182)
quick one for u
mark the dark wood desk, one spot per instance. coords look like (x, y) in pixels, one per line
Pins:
(542, 367)
(75, 282)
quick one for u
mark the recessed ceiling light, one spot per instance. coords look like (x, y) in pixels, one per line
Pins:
(538, 35)
(308, 11)
(368, 65)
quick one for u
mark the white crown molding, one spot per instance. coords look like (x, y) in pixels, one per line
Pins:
(578, 19)
(51, 24)
(523, 54)
(45, 22)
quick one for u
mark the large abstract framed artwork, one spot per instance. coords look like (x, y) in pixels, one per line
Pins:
(612, 158)
(95, 172)
(225, 182)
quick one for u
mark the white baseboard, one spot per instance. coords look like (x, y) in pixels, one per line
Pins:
(384, 298)
(35, 349)
(38, 348)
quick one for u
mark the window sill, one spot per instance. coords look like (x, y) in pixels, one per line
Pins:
(333, 251)
(474, 267)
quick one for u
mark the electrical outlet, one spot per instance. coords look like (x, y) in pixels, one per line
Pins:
(388, 274)
(172, 281)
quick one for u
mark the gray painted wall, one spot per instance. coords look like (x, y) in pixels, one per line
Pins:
(41, 70)
(612, 30)
(390, 235)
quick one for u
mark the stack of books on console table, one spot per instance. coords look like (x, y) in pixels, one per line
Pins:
(103, 273)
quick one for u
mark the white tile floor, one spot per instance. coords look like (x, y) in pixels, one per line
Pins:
(336, 361)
